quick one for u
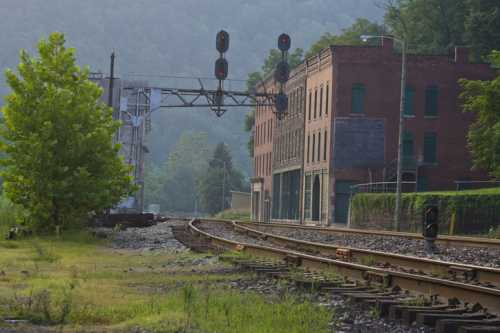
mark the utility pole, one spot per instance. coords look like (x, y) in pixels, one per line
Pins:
(223, 185)
(111, 79)
(397, 212)
(399, 176)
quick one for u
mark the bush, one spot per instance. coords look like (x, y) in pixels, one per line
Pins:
(473, 211)
(234, 214)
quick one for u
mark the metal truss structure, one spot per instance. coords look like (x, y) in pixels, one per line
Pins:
(138, 103)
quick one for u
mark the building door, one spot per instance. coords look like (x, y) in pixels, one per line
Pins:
(256, 205)
(342, 198)
(316, 199)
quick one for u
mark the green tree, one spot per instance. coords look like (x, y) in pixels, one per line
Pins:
(349, 36)
(482, 27)
(483, 99)
(174, 184)
(220, 176)
(434, 26)
(60, 163)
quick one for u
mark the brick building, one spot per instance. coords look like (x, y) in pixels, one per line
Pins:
(318, 115)
(288, 152)
(261, 183)
(351, 119)
(366, 118)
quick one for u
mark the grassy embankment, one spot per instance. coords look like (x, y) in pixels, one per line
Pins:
(80, 284)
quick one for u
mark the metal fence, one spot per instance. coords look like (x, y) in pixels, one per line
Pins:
(383, 187)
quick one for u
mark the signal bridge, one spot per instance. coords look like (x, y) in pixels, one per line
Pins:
(138, 103)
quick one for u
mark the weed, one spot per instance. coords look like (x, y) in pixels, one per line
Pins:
(420, 300)
(374, 312)
(367, 260)
(188, 294)
(43, 254)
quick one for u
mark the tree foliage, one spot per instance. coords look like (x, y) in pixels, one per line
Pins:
(220, 176)
(483, 99)
(60, 162)
(349, 36)
(173, 185)
(434, 26)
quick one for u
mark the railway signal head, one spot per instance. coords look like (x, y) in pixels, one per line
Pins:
(430, 225)
(281, 105)
(282, 72)
(222, 41)
(284, 42)
(221, 68)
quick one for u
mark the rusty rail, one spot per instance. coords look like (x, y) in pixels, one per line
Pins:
(420, 284)
(445, 240)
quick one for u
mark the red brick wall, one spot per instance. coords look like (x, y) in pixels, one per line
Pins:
(379, 69)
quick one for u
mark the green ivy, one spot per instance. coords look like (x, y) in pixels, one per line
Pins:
(474, 210)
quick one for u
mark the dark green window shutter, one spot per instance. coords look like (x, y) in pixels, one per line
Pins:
(409, 109)
(407, 144)
(431, 101)
(358, 98)
(430, 148)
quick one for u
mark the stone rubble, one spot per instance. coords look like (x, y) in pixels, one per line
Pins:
(154, 238)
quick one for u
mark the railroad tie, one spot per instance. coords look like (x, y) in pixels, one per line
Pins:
(430, 319)
(453, 325)
(479, 329)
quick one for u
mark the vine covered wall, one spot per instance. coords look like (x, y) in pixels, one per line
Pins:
(461, 212)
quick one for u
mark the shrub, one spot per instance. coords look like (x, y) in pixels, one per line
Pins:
(459, 211)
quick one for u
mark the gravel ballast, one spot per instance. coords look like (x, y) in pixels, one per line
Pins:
(393, 244)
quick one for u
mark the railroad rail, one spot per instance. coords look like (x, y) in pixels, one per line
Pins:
(443, 240)
(440, 281)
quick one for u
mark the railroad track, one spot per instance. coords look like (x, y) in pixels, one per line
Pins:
(456, 295)
(444, 240)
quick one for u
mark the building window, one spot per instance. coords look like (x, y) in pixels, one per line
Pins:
(310, 103)
(407, 145)
(321, 101)
(327, 92)
(431, 101)
(308, 146)
(319, 147)
(358, 98)
(313, 148)
(409, 109)
(430, 148)
(324, 145)
(315, 102)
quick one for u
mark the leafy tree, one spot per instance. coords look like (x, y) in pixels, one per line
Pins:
(174, 184)
(60, 163)
(428, 26)
(219, 176)
(482, 27)
(483, 99)
(349, 36)
(434, 26)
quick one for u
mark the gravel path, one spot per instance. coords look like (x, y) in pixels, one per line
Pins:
(401, 245)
